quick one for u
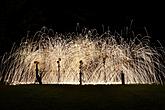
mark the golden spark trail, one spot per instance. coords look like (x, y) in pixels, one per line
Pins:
(103, 60)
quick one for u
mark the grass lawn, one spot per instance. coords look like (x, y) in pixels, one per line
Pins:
(87, 97)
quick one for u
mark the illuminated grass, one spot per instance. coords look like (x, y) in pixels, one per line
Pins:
(71, 97)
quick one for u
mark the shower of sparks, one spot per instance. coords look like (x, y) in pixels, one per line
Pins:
(104, 57)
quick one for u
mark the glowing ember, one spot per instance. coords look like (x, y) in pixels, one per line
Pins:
(103, 58)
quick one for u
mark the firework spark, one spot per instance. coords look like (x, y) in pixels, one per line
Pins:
(103, 58)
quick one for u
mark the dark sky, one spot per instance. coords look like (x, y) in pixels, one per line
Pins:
(17, 17)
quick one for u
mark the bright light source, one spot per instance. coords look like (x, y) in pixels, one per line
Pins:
(103, 60)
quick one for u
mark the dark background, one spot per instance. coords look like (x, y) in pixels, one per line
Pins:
(18, 17)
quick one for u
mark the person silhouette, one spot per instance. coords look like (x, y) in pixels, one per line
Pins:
(81, 63)
(122, 78)
(38, 77)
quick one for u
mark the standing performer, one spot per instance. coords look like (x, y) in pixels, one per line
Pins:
(38, 77)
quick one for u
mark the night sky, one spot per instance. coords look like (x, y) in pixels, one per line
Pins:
(17, 17)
